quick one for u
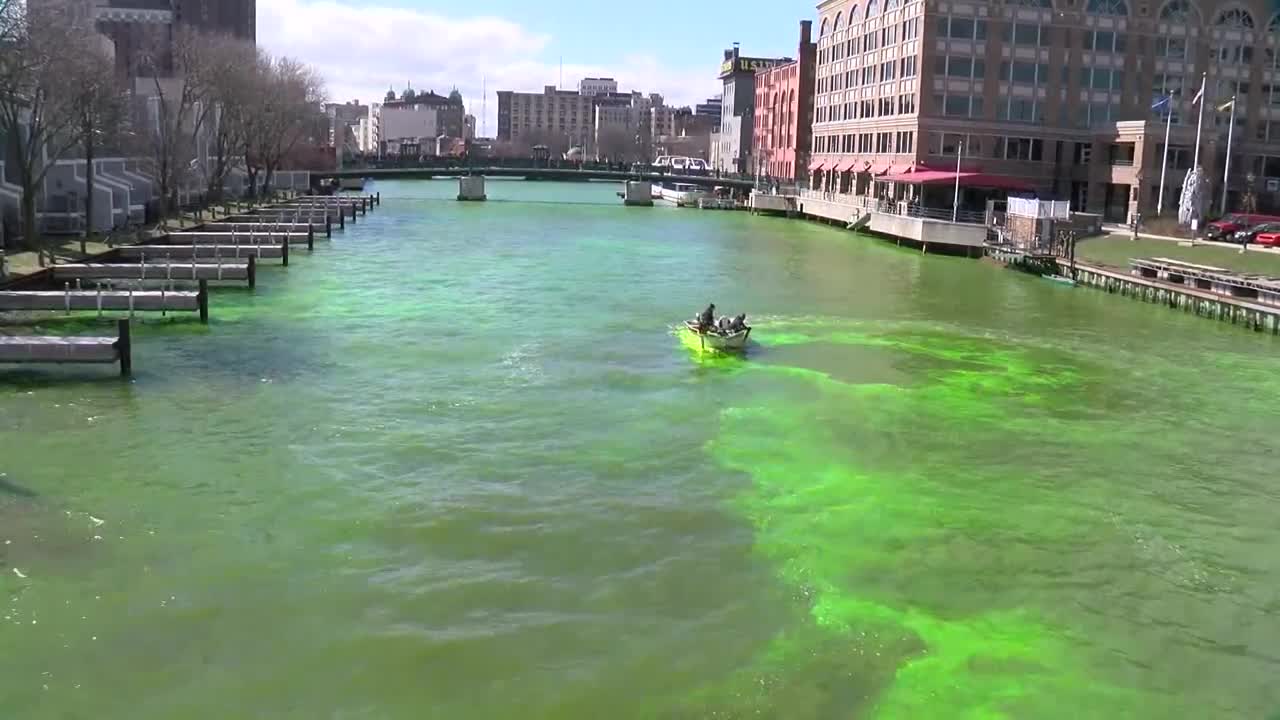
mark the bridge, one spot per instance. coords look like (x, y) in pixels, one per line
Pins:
(533, 173)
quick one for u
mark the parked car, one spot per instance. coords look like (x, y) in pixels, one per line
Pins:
(1268, 239)
(1229, 225)
(1249, 235)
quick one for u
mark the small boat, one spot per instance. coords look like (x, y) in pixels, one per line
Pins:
(718, 342)
(1059, 279)
(351, 183)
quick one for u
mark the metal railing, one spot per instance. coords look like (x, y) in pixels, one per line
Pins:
(889, 207)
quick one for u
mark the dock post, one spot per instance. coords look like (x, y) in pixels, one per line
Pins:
(124, 347)
(353, 211)
(328, 226)
(311, 237)
(378, 196)
(285, 250)
(202, 302)
(253, 272)
(342, 219)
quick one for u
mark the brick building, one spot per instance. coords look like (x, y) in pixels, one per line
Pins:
(781, 133)
(1051, 95)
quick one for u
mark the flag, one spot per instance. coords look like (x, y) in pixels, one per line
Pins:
(1199, 95)
(1161, 103)
(1226, 105)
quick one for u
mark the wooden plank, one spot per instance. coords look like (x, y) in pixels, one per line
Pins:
(262, 251)
(232, 270)
(237, 238)
(23, 349)
(92, 300)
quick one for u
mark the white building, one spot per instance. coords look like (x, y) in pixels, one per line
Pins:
(412, 122)
(367, 135)
(597, 86)
(469, 128)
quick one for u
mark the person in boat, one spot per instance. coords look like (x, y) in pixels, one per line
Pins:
(738, 324)
(724, 325)
(707, 318)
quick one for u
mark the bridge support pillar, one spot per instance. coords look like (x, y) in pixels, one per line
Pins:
(471, 187)
(638, 193)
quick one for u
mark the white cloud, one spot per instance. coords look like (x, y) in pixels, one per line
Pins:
(363, 50)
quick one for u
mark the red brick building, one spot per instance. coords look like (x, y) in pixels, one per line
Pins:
(784, 113)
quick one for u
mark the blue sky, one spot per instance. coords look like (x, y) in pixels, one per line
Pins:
(662, 46)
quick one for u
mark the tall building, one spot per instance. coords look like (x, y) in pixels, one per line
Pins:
(559, 119)
(237, 18)
(737, 110)
(449, 112)
(597, 86)
(711, 108)
(782, 132)
(1066, 108)
(469, 127)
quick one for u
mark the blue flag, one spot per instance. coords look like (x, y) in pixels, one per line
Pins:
(1161, 103)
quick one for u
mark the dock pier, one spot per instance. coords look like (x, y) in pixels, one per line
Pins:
(145, 277)
(1205, 303)
(245, 270)
(71, 349)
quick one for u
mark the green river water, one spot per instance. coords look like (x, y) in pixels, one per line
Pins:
(457, 464)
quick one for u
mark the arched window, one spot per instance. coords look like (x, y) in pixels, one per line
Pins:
(822, 29)
(853, 13)
(891, 4)
(872, 9)
(1179, 11)
(1234, 18)
(1108, 7)
(836, 26)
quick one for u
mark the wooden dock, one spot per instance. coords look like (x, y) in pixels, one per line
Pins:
(70, 349)
(1178, 296)
(71, 300)
(232, 239)
(245, 270)
(261, 227)
(260, 251)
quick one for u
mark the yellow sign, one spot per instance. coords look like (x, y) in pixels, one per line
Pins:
(746, 64)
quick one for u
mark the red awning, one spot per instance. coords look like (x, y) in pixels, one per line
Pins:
(817, 165)
(967, 179)
(879, 169)
(901, 169)
(839, 166)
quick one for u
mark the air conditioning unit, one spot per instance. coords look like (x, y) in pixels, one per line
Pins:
(1273, 185)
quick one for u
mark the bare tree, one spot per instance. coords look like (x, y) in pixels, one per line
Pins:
(230, 82)
(170, 110)
(617, 143)
(99, 104)
(39, 85)
(288, 111)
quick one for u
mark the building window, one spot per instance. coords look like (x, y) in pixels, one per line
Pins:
(1016, 109)
(1179, 12)
(1015, 148)
(1171, 48)
(1099, 114)
(1024, 73)
(1100, 78)
(961, 28)
(1026, 34)
(1235, 18)
(958, 67)
(906, 104)
(959, 105)
(908, 67)
(1104, 41)
(1108, 7)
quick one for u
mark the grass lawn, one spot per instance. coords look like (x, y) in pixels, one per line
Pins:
(1117, 250)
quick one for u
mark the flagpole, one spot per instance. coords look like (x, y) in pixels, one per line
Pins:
(1164, 162)
(1195, 163)
(955, 200)
(1226, 168)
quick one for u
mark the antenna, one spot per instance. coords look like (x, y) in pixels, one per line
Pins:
(484, 109)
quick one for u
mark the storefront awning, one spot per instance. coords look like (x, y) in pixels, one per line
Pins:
(967, 179)
(879, 169)
(817, 165)
(847, 165)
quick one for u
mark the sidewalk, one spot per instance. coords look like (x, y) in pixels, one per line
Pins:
(1126, 232)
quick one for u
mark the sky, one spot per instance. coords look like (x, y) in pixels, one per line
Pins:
(668, 46)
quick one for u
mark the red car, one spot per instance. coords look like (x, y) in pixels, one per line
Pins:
(1231, 224)
(1268, 239)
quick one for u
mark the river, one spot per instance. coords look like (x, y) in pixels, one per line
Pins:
(457, 464)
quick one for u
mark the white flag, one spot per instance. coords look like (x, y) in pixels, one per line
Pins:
(1199, 96)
